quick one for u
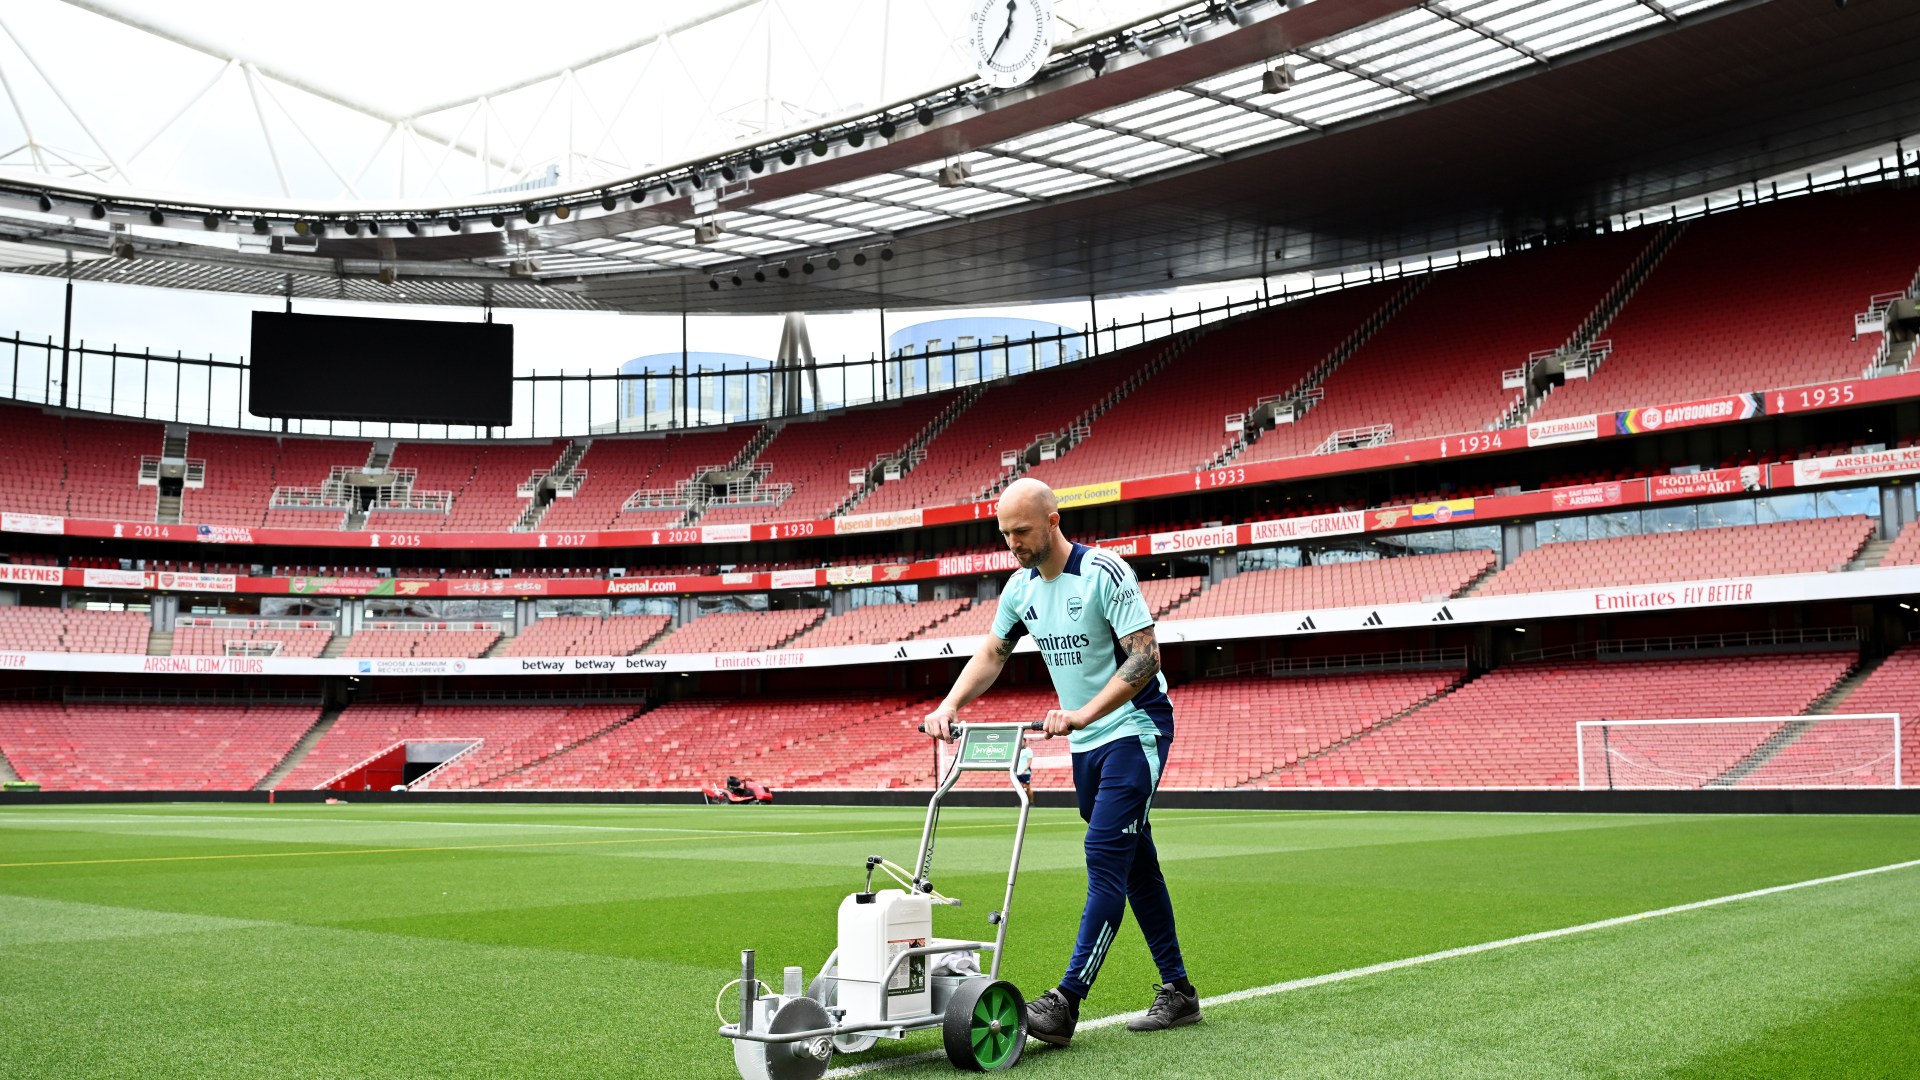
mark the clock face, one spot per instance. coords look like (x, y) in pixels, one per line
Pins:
(1010, 39)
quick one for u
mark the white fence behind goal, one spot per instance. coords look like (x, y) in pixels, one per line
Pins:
(1851, 750)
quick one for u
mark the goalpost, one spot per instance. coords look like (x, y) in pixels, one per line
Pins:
(1847, 750)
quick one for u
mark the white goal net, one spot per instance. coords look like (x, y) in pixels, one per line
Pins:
(1853, 750)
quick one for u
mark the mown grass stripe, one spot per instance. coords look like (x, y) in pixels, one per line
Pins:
(1312, 981)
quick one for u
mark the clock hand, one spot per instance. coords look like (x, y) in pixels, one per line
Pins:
(1012, 7)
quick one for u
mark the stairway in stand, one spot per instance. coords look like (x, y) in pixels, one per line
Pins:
(294, 756)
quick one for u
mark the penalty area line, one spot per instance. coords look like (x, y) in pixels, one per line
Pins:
(1312, 981)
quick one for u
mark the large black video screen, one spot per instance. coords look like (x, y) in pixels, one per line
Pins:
(329, 367)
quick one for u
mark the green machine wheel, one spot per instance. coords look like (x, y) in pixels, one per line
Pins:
(985, 1026)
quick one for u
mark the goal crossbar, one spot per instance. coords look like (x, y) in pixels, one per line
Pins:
(1584, 733)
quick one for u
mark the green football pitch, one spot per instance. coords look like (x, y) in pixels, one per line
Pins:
(304, 940)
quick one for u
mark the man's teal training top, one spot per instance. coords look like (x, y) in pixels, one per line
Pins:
(1077, 620)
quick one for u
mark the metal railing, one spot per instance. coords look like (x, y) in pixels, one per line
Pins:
(210, 392)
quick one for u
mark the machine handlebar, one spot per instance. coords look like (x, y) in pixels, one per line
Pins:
(960, 727)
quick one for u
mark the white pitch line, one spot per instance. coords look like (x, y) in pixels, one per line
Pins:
(1415, 961)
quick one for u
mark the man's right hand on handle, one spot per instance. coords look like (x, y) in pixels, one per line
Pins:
(939, 723)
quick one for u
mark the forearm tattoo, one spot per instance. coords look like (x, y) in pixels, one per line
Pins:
(1143, 658)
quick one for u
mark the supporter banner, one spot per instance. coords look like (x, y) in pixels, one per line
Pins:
(882, 522)
(849, 575)
(1440, 513)
(31, 575)
(1826, 470)
(175, 581)
(738, 579)
(1704, 483)
(895, 571)
(1089, 494)
(32, 523)
(1572, 429)
(221, 534)
(1586, 496)
(332, 586)
(1269, 532)
(1690, 414)
(795, 579)
(726, 534)
(960, 565)
(1221, 536)
(113, 579)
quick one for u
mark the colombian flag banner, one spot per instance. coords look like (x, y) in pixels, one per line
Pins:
(1440, 513)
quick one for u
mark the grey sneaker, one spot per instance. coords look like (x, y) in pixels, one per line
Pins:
(1051, 1019)
(1170, 1009)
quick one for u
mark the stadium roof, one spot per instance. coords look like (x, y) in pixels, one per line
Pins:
(1142, 155)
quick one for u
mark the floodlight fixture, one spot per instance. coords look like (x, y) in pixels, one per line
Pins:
(98, 210)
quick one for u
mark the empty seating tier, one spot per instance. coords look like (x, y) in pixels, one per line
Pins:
(1781, 547)
(585, 635)
(1751, 301)
(38, 629)
(964, 459)
(377, 643)
(1341, 584)
(149, 746)
(1229, 731)
(1514, 726)
(617, 467)
(816, 458)
(1435, 368)
(699, 741)
(878, 624)
(510, 736)
(247, 640)
(738, 631)
(1176, 421)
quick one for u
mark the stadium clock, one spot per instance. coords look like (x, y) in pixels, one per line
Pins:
(1010, 40)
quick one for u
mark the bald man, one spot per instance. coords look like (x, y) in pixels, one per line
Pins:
(1084, 610)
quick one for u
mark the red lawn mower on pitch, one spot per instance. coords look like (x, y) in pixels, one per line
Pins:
(737, 791)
